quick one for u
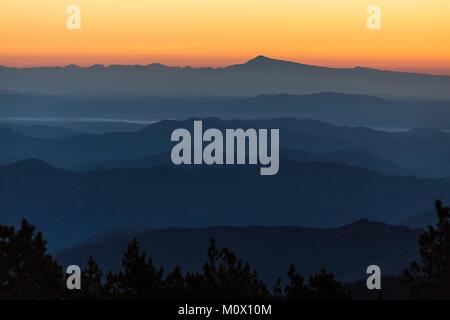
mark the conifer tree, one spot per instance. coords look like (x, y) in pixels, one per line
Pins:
(139, 278)
(27, 271)
(430, 278)
(296, 289)
(323, 286)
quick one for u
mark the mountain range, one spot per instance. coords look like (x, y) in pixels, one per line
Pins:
(353, 158)
(387, 152)
(71, 206)
(260, 75)
(330, 107)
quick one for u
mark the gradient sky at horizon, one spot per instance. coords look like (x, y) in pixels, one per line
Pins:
(415, 34)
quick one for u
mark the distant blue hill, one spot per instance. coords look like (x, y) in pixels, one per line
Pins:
(438, 166)
(360, 159)
(40, 131)
(331, 107)
(421, 220)
(70, 207)
(407, 149)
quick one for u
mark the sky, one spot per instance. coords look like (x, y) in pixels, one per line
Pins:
(414, 34)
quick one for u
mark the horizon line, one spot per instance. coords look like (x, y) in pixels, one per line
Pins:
(261, 57)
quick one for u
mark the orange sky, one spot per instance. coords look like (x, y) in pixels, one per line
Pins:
(415, 34)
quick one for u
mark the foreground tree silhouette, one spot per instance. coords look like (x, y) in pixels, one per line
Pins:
(296, 289)
(320, 287)
(430, 278)
(26, 270)
(139, 278)
(175, 285)
(91, 283)
(225, 277)
(325, 287)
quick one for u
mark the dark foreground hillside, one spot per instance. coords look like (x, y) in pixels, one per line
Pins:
(346, 251)
(29, 272)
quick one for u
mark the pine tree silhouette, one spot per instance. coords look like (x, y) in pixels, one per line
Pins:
(92, 281)
(175, 285)
(138, 278)
(26, 270)
(277, 290)
(320, 287)
(430, 278)
(226, 277)
(296, 289)
(324, 287)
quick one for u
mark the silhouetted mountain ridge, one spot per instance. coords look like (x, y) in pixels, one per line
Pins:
(256, 76)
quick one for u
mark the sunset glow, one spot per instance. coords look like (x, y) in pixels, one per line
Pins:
(415, 34)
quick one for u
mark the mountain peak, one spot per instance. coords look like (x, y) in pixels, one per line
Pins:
(262, 60)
